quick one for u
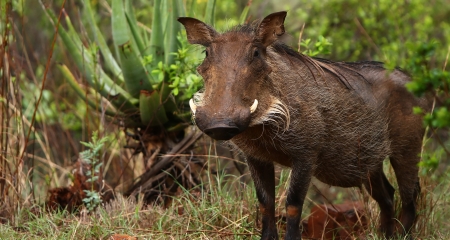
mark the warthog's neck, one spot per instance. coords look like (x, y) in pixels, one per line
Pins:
(261, 142)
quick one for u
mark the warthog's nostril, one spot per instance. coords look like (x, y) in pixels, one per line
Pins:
(222, 131)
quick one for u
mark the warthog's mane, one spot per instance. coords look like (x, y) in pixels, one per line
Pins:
(349, 74)
(344, 72)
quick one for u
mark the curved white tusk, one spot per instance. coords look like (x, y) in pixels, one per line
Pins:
(254, 106)
(192, 105)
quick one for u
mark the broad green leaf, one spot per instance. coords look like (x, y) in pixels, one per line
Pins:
(76, 87)
(72, 32)
(172, 30)
(109, 59)
(96, 77)
(192, 8)
(167, 98)
(134, 73)
(209, 13)
(136, 78)
(180, 10)
(151, 109)
(136, 37)
(134, 30)
(244, 13)
(119, 24)
(157, 37)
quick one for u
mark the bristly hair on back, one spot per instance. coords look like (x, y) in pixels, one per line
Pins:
(341, 70)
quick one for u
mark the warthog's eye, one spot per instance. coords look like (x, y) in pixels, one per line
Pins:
(206, 52)
(256, 53)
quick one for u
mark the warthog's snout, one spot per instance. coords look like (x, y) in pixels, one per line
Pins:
(222, 130)
(222, 125)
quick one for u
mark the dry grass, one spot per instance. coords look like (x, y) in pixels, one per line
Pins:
(226, 209)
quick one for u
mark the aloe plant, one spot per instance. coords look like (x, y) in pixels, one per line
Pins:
(145, 80)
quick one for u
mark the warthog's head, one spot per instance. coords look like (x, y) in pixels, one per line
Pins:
(238, 89)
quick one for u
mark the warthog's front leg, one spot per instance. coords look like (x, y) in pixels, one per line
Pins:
(263, 174)
(300, 179)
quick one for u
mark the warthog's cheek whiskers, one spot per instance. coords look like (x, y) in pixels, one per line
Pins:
(277, 114)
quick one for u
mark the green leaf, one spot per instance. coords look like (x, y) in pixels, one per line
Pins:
(134, 30)
(157, 37)
(192, 8)
(109, 59)
(96, 77)
(167, 98)
(119, 23)
(172, 30)
(417, 110)
(135, 75)
(152, 109)
(209, 12)
(244, 13)
(81, 93)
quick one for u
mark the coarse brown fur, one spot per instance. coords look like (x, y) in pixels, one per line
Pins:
(334, 121)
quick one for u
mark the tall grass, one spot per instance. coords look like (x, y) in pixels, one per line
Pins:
(223, 208)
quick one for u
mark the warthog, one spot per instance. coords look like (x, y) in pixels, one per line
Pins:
(332, 120)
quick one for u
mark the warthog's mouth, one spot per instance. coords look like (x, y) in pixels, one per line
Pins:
(226, 127)
(221, 125)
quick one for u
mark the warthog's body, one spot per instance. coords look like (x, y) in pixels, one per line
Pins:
(334, 121)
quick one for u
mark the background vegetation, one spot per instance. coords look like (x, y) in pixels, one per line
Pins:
(55, 95)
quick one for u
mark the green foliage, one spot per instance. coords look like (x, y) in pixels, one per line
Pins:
(370, 30)
(49, 111)
(321, 47)
(430, 161)
(150, 77)
(432, 82)
(426, 78)
(182, 73)
(91, 157)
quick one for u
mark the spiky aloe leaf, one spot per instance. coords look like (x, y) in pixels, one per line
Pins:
(167, 98)
(96, 77)
(134, 30)
(180, 11)
(157, 37)
(119, 24)
(135, 75)
(244, 13)
(136, 78)
(72, 32)
(192, 8)
(75, 86)
(209, 13)
(152, 109)
(109, 59)
(172, 30)
(136, 37)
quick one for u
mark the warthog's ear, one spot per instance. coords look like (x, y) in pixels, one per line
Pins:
(270, 28)
(197, 31)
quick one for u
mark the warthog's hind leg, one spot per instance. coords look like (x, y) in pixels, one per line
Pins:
(382, 191)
